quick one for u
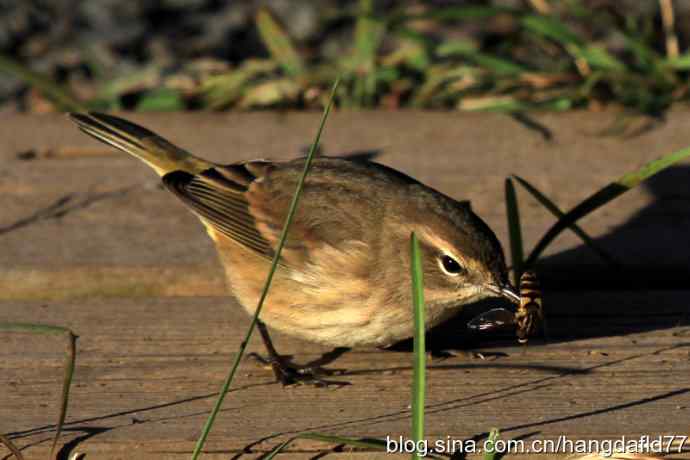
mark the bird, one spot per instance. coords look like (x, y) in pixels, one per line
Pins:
(344, 277)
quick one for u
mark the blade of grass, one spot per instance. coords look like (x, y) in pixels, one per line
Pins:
(603, 196)
(409, 53)
(274, 264)
(514, 231)
(70, 360)
(490, 444)
(365, 444)
(509, 104)
(552, 29)
(647, 58)
(117, 86)
(269, 93)
(470, 51)
(599, 58)
(56, 94)
(455, 13)
(44, 329)
(221, 91)
(66, 383)
(279, 43)
(497, 65)
(681, 62)
(374, 444)
(278, 449)
(555, 210)
(437, 77)
(10, 445)
(419, 375)
(161, 100)
(368, 35)
(492, 104)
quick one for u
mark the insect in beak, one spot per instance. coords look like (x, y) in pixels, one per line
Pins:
(506, 291)
(528, 317)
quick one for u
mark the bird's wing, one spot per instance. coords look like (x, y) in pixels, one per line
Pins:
(220, 200)
(248, 202)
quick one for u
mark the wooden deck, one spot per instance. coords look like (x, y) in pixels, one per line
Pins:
(89, 241)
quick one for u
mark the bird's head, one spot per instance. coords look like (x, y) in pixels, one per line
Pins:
(462, 259)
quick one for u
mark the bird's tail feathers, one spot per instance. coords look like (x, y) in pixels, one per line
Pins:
(146, 145)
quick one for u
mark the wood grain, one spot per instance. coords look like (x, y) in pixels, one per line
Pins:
(91, 242)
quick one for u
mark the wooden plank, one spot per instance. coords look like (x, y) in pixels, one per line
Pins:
(151, 382)
(91, 242)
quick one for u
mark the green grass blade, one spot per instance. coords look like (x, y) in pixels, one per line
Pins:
(369, 32)
(279, 43)
(552, 29)
(490, 452)
(363, 443)
(274, 264)
(410, 52)
(456, 13)
(603, 196)
(647, 58)
(501, 103)
(10, 445)
(497, 65)
(514, 230)
(599, 58)
(70, 360)
(461, 47)
(270, 92)
(470, 51)
(44, 329)
(278, 449)
(555, 210)
(161, 100)
(61, 97)
(354, 442)
(681, 62)
(419, 371)
(508, 104)
(221, 91)
(371, 444)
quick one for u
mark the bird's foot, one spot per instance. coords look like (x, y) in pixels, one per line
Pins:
(288, 373)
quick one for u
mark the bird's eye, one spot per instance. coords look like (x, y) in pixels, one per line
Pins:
(450, 265)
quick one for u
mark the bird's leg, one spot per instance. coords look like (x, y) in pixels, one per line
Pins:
(288, 373)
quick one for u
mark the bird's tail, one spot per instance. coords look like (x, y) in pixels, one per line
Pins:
(155, 151)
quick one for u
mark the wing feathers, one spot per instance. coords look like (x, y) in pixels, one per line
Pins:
(221, 204)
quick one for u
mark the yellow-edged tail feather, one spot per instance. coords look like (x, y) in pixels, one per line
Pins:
(152, 149)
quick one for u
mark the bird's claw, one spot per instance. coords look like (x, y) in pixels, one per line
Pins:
(290, 374)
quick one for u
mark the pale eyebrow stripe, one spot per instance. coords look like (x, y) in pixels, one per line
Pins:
(443, 245)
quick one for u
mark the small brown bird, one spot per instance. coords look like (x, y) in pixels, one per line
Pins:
(344, 275)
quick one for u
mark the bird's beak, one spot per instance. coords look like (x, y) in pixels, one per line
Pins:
(506, 291)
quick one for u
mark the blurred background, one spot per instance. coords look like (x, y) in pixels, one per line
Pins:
(499, 55)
